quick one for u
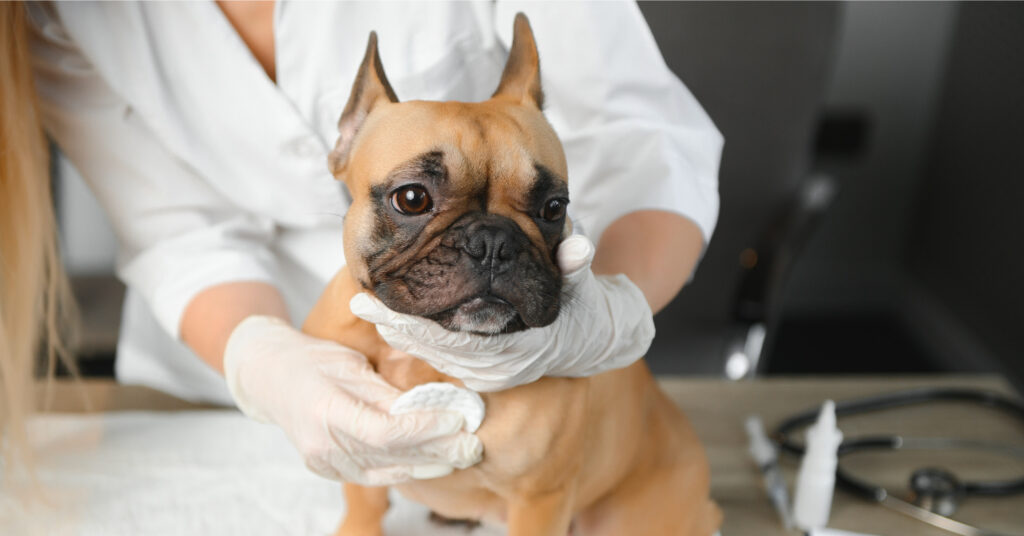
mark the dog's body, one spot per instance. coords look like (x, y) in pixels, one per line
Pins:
(608, 455)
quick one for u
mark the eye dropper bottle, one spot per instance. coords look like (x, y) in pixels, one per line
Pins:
(816, 480)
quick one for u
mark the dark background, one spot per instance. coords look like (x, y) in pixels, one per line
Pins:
(914, 112)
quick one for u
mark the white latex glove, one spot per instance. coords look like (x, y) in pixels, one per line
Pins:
(335, 408)
(605, 323)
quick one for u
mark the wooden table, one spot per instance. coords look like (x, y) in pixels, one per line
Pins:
(717, 409)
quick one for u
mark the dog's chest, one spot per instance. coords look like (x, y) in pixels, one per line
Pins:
(520, 424)
(530, 433)
(405, 371)
(531, 436)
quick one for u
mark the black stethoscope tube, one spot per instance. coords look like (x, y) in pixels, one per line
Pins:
(911, 397)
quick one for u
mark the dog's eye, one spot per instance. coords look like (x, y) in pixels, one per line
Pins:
(554, 209)
(411, 200)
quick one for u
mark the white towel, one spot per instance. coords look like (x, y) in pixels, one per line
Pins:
(187, 473)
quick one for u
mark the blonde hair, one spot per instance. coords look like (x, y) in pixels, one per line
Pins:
(33, 287)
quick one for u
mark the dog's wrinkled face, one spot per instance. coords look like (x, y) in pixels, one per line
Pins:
(458, 208)
(456, 215)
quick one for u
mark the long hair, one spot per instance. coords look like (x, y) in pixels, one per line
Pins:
(33, 287)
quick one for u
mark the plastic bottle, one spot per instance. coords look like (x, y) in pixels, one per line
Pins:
(816, 480)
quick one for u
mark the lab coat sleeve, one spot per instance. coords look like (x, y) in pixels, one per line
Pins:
(177, 235)
(634, 136)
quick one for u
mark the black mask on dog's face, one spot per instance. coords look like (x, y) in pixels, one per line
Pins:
(458, 208)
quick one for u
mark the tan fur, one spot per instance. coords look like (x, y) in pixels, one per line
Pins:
(611, 451)
(610, 454)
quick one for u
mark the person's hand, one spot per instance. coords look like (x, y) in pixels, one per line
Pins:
(335, 408)
(605, 323)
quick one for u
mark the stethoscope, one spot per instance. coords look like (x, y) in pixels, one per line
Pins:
(935, 493)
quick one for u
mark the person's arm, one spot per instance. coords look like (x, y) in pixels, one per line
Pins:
(657, 250)
(203, 266)
(177, 234)
(214, 313)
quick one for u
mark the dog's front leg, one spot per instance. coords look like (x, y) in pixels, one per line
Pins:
(547, 514)
(366, 509)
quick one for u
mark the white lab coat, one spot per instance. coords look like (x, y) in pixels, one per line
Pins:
(210, 172)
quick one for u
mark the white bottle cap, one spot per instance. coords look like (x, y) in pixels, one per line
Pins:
(816, 480)
(761, 449)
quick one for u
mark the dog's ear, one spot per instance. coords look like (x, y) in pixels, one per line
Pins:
(370, 89)
(520, 80)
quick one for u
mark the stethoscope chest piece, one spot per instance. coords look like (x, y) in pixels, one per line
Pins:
(936, 490)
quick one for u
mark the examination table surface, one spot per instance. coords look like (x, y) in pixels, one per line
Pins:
(717, 409)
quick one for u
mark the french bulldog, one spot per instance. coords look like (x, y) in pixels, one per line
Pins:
(457, 211)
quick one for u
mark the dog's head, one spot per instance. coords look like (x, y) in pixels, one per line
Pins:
(457, 208)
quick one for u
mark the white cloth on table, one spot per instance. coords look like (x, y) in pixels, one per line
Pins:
(196, 473)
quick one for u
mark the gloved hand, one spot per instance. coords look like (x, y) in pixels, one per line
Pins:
(605, 323)
(334, 408)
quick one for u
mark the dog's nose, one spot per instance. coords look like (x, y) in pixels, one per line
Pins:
(492, 241)
(489, 243)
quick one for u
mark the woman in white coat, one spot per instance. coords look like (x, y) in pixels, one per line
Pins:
(203, 129)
